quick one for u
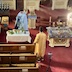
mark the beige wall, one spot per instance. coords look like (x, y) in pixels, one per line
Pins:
(59, 4)
(12, 3)
(31, 4)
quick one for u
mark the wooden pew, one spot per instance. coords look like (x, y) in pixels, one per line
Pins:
(17, 48)
(18, 58)
(19, 69)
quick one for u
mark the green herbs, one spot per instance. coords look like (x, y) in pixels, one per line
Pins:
(11, 32)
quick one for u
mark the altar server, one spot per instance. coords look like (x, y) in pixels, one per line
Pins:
(21, 21)
(40, 43)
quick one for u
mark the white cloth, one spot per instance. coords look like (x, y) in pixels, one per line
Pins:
(18, 37)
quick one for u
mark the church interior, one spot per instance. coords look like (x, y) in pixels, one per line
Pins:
(16, 46)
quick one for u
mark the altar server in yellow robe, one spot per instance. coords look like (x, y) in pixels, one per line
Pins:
(40, 43)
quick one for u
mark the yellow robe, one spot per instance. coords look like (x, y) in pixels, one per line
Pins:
(40, 41)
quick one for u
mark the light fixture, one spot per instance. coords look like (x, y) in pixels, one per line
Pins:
(69, 20)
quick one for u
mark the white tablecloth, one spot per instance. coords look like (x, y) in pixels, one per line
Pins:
(18, 37)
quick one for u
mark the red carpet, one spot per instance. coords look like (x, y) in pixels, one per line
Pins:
(61, 59)
(62, 56)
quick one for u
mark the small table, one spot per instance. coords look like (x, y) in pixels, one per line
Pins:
(18, 37)
(32, 21)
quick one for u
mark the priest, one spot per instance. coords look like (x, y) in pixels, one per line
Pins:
(21, 21)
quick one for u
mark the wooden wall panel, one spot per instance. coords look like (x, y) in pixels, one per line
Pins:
(46, 3)
(19, 4)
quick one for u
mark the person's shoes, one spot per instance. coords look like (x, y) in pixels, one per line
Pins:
(38, 59)
(42, 59)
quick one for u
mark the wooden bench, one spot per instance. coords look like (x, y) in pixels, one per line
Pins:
(19, 69)
(18, 58)
(17, 48)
